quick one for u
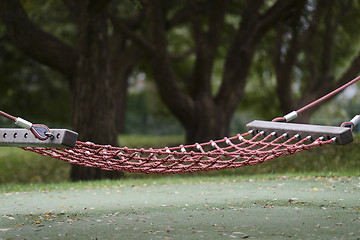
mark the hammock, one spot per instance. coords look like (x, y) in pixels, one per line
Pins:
(262, 142)
(251, 148)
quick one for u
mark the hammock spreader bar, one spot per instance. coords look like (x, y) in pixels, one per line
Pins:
(342, 135)
(16, 137)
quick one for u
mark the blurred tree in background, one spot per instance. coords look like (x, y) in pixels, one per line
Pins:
(95, 68)
(28, 88)
(204, 112)
(316, 52)
(25, 84)
(313, 52)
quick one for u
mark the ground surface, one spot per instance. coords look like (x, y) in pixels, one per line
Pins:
(274, 209)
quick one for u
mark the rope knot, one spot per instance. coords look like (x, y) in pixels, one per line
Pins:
(291, 149)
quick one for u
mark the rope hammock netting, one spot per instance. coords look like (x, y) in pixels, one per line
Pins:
(214, 155)
(264, 141)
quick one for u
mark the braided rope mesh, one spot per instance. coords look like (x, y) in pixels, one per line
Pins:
(241, 150)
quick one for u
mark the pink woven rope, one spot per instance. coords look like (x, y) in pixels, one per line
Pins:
(238, 151)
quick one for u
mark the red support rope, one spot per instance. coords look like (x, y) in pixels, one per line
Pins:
(8, 116)
(314, 103)
(40, 131)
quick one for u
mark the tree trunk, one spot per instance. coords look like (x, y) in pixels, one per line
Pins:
(121, 102)
(92, 95)
(206, 122)
(122, 60)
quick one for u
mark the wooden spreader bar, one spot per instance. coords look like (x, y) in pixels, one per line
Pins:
(343, 134)
(17, 137)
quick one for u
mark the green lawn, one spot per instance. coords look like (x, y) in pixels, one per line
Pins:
(180, 207)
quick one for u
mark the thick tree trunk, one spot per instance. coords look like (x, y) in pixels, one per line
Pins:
(93, 102)
(122, 60)
(207, 122)
(121, 102)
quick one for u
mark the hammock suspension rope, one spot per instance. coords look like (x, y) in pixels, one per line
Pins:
(40, 131)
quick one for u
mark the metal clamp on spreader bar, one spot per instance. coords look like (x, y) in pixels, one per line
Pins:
(343, 135)
(15, 137)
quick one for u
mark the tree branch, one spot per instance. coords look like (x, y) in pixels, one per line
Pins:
(306, 40)
(141, 41)
(328, 39)
(331, 26)
(164, 75)
(350, 73)
(206, 45)
(238, 61)
(182, 56)
(179, 17)
(95, 5)
(284, 64)
(73, 7)
(34, 42)
(279, 10)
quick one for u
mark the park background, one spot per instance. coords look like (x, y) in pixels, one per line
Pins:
(162, 73)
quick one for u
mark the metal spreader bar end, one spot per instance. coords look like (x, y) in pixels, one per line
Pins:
(342, 135)
(16, 137)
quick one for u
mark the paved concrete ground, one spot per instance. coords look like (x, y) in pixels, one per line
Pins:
(276, 209)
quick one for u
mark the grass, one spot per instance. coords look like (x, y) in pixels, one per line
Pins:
(147, 141)
(163, 180)
(169, 179)
(217, 207)
(19, 166)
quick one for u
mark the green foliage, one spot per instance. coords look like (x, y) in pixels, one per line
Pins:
(29, 89)
(260, 93)
(147, 141)
(19, 166)
(53, 17)
(146, 114)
